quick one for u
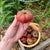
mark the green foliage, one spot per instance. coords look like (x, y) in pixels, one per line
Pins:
(46, 24)
(5, 12)
(34, 39)
(18, 5)
(8, 8)
(42, 4)
(27, 4)
(43, 38)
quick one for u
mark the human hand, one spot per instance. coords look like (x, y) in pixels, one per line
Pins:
(16, 30)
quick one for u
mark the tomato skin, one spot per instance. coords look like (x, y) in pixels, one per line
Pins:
(30, 41)
(25, 34)
(29, 36)
(33, 34)
(23, 40)
(29, 31)
(24, 18)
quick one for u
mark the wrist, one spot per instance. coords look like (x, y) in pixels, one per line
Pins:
(5, 44)
(6, 40)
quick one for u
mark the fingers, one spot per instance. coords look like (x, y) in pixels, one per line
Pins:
(15, 21)
(26, 25)
(13, 28)
(20, 31)
(19, 34)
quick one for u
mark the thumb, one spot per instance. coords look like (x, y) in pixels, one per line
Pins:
(15, 21)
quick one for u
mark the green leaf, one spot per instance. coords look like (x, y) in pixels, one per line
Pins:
(46, 24)
(8, 12)
(10, 17)
(48, 4)
(2, 21)
(43, 38)
(48, 12)
(1, 10)
(7, 23)
(3, 2)
(34, 39)
(7, 6)
(0, 3)
(37, 20)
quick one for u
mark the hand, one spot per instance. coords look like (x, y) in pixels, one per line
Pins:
(16, 30)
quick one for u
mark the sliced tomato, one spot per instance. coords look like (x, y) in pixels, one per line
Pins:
(29, 36)
(25, 34)
(23, 40)
(35, 34)
(30, 41)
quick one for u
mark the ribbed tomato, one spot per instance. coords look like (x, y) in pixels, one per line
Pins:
(24, 16)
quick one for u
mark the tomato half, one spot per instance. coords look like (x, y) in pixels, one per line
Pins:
(30, 41)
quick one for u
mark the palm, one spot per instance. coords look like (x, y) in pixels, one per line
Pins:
(16, 30)
(21, 30)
